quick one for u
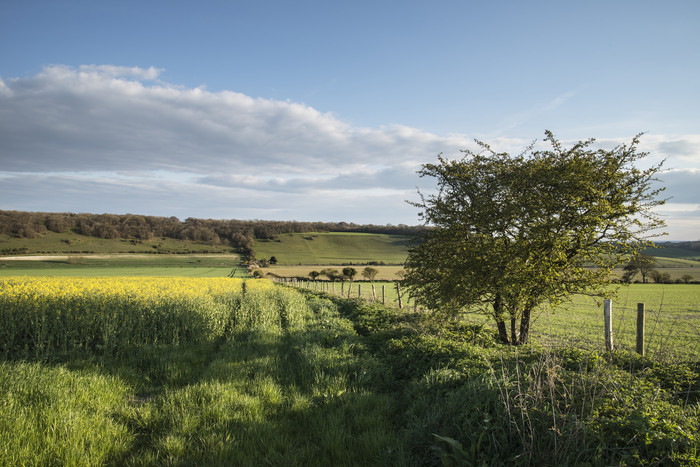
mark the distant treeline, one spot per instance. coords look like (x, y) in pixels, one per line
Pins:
(695, 245)
(239, 234)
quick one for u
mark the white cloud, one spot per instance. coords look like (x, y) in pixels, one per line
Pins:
(103, 138)
(106, 117)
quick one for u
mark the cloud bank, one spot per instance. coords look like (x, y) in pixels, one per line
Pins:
(118, 139)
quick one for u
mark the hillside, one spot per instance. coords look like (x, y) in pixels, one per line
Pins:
(334, 248)
(74, 243)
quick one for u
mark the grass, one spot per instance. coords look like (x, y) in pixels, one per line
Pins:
(333, 248)
(329, 381)
(73, 243)
(168, 265)
(672, 320)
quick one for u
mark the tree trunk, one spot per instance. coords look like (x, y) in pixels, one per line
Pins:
(502, 331)
(525, 325)
(513, 330)
(498, 315)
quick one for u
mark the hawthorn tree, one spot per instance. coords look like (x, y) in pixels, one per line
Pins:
(639, 263)
(370, 273)
(510, 233)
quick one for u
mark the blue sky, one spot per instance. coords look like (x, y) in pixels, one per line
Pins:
(325, 110)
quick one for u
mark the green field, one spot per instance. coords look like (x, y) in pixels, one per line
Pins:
(672, 315)
(73, 243)
(212, 265)
(218, 372)
(333, 248)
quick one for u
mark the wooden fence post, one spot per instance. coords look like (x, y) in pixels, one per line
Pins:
(640, 328)
(607, 315)
(398, 292)
(383, 294)
(359, 290)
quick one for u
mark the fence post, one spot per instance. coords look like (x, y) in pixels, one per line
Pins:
(607, 315)
(640, 328)
(383, 294)
(398, 292)
(359, 290)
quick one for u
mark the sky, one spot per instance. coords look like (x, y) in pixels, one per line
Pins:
(325, 111)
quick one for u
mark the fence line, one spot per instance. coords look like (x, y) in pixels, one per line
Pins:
(394, 296)
(670, 328)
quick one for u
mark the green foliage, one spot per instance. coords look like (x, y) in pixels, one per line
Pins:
(314, 274)
(349, 273)
(513, 232)
(640, 263)
(369, 273)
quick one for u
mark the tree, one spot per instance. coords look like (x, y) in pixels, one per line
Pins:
(641, 263)
(369, 273)
(349, 275)
(273, 260)
(332, 274)
(314, 274)
(510, 233)
(660, 277)
(686, 278)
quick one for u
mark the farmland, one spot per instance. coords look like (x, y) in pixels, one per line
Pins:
(222, 371)
(105, 364)
(106, 265)
(334, 248)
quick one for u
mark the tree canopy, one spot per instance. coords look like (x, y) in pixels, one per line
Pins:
(510, 233)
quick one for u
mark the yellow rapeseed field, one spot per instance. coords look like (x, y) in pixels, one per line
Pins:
(41, 316)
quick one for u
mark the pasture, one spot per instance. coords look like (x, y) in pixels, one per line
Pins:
(333, 248)
(672, 315)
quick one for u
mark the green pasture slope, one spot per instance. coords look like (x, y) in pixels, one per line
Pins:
(73, 243)
(334, 248)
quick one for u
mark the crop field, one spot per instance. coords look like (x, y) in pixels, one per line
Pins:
(222, 371)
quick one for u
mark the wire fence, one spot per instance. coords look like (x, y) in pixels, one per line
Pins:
(672, 315)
